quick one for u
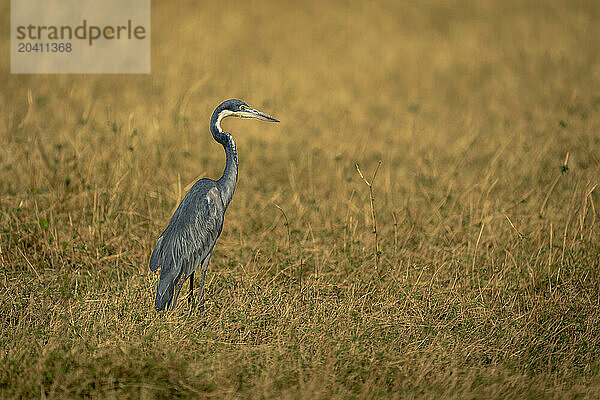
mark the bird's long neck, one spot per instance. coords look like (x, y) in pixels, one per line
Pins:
(228, 181)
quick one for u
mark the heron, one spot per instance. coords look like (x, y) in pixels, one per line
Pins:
(189, 239)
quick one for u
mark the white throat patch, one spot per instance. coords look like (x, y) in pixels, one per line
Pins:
(222, 114)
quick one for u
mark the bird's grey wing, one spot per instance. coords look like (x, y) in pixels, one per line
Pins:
(187, 241)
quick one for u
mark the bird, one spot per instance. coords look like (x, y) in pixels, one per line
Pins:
(189, 239)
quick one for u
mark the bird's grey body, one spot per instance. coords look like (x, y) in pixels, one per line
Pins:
(190, 237)
(188, 240)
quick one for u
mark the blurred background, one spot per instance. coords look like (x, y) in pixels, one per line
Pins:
(485, 118)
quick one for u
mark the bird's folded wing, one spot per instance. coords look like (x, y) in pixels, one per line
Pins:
(189, 238)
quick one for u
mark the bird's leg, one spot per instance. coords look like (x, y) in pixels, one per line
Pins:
(191, 296)
(201, 294)
(176, 290)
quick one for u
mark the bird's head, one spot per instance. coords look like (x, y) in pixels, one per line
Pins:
(238, 108)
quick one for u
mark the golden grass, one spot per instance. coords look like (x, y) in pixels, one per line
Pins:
(488, 283)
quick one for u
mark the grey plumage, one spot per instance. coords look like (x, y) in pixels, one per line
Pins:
(188, 240)
(190, 237)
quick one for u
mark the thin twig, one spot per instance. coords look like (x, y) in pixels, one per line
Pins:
(372, 202)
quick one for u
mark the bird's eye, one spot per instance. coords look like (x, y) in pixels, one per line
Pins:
(242, 107)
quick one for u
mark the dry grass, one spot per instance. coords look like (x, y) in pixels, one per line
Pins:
(489, 273)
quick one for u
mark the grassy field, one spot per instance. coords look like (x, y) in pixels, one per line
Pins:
(485, 116)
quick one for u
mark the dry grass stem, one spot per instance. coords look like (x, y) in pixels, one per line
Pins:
(373, 217)
(287, 225)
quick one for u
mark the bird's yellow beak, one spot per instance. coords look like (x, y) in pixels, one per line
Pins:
(255, 114)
